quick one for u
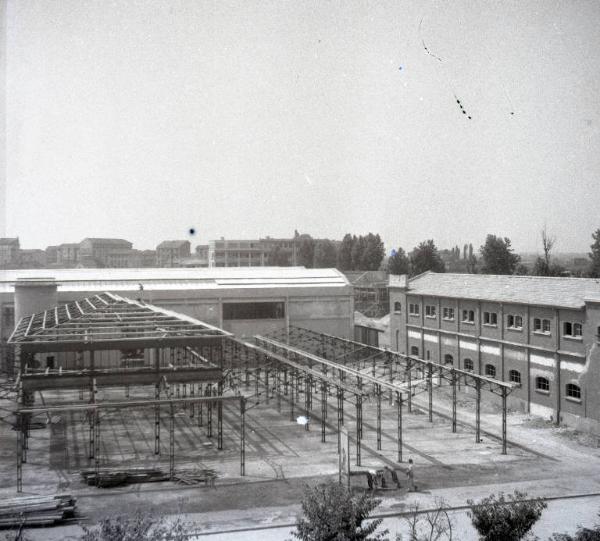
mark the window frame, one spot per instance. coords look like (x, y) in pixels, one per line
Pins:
(230, 308)
(448, 314)
(576, 330)
(397, 307)
(414, 309)
(468, 316)
(430, 311)
(511, 322)
(490, 368)
(412, 351)
(514, 376)
(471, 363)
(545, 387)
(490, 319)
(569, 388)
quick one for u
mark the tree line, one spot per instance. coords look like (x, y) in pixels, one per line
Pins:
(367, 252)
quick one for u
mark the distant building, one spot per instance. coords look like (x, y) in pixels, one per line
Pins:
(32, 259)
(113, 253)
(67, 254)
(371, 296)
(51, 255)
(250, 253)
(9, 251)
(170, 252)
(142, 258)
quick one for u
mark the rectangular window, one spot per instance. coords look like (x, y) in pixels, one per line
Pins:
(490, 318)
(413, 309)
(574, 330)
(546, 326)
(541, 326)
(430, 311)
(449, 313)
(468, 316)
(537, 324)
(253, 310)
(514, 322)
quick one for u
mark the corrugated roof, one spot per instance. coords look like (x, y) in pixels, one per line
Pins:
(536, 290)
(179, 278)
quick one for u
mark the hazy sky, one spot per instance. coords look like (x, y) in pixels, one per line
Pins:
(141, 119)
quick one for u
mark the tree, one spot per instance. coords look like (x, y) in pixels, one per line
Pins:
(277, 257)
(358, 249)
(594, 255)
(398, 262)
(434, 525)
(137, 527)
(505, 518)
(325, 254)
(373, 253)
(306, 251)
(498, 257)
(543, 265)
(426, 257)
(344, 259)
(331, 512)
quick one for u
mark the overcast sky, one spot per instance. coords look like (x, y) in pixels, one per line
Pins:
(141, 119)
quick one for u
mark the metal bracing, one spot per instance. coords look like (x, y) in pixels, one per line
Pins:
(93, 412)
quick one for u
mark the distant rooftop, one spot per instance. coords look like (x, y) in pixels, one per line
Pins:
(178, 278)
(536, 290)
(107, 241)
(173, 243)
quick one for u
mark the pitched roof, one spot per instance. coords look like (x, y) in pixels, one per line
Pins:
(107, 318)
(535, 290)
(9, 241)
(173, 244)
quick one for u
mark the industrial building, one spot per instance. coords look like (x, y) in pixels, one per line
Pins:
(243, 301)
(541, 333)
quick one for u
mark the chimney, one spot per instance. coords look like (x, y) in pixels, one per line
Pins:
(34, 295)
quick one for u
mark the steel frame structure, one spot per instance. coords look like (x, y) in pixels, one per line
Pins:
(386, 364)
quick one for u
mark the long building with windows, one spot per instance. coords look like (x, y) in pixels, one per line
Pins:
(540, 332)
(244, 301)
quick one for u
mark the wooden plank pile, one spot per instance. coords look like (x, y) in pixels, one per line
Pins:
(36, 510)
(113, 477)
(196, 476)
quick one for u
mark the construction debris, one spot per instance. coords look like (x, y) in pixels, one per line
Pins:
(36, 510)
(113, 477)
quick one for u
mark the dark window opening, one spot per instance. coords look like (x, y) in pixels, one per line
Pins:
(397, 306)
(542, 384)
(514, 376)
(490, 370)
(448, 359)
(414, 350)
(50, 362)
(573, 391)
(254, 310)
(468, 364)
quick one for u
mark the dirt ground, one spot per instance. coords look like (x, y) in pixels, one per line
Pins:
(282, 456)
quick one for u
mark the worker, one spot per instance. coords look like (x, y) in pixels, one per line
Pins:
(410, 474)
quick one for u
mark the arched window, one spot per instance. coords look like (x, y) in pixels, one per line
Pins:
(414, 351)
(490, 370)
(397, 306)
(448, 359)
(514, 376)
(573, 391)
(468, 365)
(542, 384)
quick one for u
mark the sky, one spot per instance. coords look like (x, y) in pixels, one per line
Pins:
(143, 119)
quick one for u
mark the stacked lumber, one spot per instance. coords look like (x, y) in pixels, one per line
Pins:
(113, 477)
(36, 510)
(196, 476)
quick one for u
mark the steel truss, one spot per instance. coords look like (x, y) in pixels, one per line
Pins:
(386, 364)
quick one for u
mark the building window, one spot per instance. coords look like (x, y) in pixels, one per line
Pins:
(413, 309)
(397, 307)
(448, 359)
(490, 370)
(573, 391)
(253, 310)
(430, 311)
(414, 351)
(541, 326)
(542, 384)
(428, 355)
(572, 330)
(468, 316)
(514, 322)
(514, 376)
(490, 318)
(468, 365)
(598, 334)
(449, 315)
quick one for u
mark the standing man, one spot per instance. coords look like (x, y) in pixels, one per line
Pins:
(410, 474)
